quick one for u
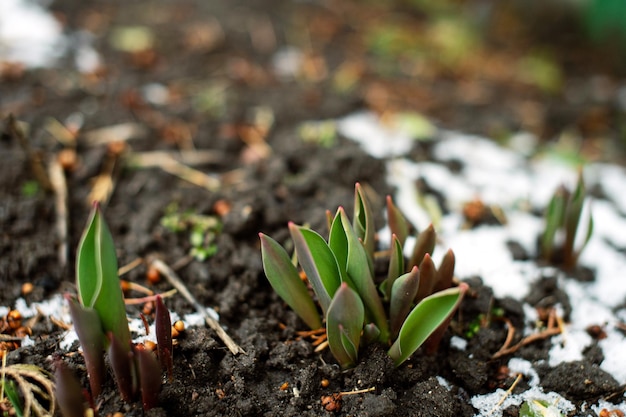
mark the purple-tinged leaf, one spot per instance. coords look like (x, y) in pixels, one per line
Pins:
(329, 219)
(344, 322)
(149, 377)
(285, 280)
(68, 391)
(402, 296)
(423, 320)
(397, 222)
(445, 273)
(370, 333)
(163, 330)
(428, 278)
(123, 367)
(425, 244)
(91, 336)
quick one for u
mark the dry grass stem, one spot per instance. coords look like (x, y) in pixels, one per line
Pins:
(506, 394)
(115, 133)
(36, 387)
(34, 159)
(59, 186)
(553, 328)
(129, 266)
(176, 282)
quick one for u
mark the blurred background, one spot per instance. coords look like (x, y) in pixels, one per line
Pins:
(554, 70)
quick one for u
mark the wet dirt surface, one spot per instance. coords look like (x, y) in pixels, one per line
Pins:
(214, 60)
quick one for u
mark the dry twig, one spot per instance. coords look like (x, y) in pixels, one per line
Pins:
(553, 328)
(35, 385)
(59, 186)
(176, 282)
(506, 394)
(34, 159)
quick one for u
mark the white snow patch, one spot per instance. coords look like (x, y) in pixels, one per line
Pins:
(488, 404)
(603, 404)
(29, 34)
(458, 343)
(137, 327)
(521, 366)
(377, 139)
(509, 180)
(444, 383)
(614, 349)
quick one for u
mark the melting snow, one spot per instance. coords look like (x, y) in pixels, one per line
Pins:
(509, 180)
(29, 34)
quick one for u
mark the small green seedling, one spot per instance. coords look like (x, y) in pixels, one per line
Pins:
(28, 388)
(563, 218)
(539, 408)
(203, 230)
(413, 304)
(100, 321)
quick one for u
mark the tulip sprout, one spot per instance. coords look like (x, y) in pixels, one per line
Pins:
(413, 304)
(563, 217)
(99, 318)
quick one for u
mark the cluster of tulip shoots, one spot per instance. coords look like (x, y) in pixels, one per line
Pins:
(99, 318)
(412, 305)
(563, 217)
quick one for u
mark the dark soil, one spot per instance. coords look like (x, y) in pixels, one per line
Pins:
(280, 374)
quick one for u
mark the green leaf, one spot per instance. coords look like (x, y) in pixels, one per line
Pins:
(445, 273)
(318, 262)
(574, 209)
(587, 237)
(88, 327)
(285, 280)
(363, 223)
(402, 295)
(396, 266)
(428, 278)
(397, 222)
(572, 220)
(338, 243)
(361, 276)
(10, 388)
(96, 277)
(423, 320)
(344, 323)
(555, 215)
(425, 244)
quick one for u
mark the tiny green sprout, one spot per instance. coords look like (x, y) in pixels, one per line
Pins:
(12, 394)
(539, 408)
(100, 318)
(563, 218)
(322, 132)
(412, 305)
(203, 230)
